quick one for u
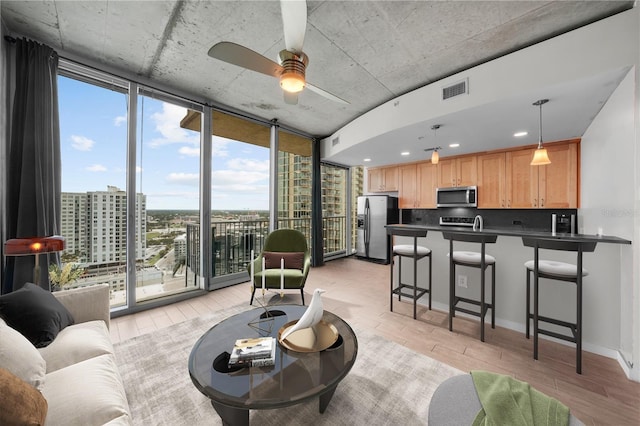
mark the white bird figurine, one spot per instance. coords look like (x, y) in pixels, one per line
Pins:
(311, 316)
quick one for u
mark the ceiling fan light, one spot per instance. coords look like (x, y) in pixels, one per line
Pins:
(292, 82)
(540, 157)
(435, 157)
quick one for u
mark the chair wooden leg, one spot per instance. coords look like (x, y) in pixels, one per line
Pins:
(302, 295)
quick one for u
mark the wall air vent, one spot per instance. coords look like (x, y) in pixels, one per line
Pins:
(459, 88)
(335, 141)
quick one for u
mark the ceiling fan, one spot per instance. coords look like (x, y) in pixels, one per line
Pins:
(293, 61)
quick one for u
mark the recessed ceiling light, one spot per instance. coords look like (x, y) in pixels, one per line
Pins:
(454, 145)
(520, 134)
(405, 153)
(366, 160)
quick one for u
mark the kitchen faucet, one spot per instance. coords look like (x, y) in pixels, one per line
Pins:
(478, 223)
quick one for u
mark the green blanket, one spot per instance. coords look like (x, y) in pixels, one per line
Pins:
(507, 401)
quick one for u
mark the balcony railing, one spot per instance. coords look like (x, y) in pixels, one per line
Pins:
(233, 241)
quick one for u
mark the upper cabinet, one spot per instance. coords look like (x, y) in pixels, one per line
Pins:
(427, 184)
(552, 186)
(383, 179)
(492, 181)
(558, 181)
(417, 186)
(504, 179)
(461, 171)
(408, 187)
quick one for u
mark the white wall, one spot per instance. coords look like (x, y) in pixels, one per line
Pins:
(608, 159)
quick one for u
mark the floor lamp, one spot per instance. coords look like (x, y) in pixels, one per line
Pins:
(34, 246)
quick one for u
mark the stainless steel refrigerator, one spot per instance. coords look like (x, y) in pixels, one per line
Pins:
(374, 212)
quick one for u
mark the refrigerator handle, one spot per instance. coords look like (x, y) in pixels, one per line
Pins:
(367, 212)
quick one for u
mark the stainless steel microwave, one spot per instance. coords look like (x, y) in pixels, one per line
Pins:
(458, 196)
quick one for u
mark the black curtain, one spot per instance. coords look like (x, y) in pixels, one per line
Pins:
(33, 159)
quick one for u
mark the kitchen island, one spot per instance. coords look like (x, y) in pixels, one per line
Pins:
(601, 296)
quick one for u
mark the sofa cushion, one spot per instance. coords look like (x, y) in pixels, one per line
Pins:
(87, 393)
(77, 343)
(35, 313)
(21, 403)
(20, 357)
(292, 260)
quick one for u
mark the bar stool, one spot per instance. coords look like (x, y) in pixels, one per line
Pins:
(559, 271)
(473, 260)
(415, 252)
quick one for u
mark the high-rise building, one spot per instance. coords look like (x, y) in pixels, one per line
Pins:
(294, 196)
(94, 225)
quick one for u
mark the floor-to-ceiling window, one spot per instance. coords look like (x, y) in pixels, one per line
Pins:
(97, 167)
(93, 136)
(167, 178)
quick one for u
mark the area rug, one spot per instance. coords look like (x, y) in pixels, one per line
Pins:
(388, 384)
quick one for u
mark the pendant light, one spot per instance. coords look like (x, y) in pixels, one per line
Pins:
(435, 157)
(540, 156)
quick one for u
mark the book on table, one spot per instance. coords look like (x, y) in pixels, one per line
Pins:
(253, 352)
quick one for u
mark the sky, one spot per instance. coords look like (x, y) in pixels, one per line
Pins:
(93, 138)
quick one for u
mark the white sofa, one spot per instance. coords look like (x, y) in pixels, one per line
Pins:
(80, 381)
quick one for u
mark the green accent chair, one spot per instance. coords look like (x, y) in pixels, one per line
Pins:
(293, 244)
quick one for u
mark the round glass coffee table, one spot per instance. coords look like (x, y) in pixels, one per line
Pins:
(295, 377)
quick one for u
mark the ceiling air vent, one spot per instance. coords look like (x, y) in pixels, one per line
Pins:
(460, 88)
(335, 141)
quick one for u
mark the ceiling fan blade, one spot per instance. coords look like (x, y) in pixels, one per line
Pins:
(290, 98)
(324, 93)
(294, 22)
(243, 57)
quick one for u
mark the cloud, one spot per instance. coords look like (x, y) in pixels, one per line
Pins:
(119, 120)
(183, 178)
(139, 169)
(240, 181)
(96, 168)
(167, 123)
(247, 164)
(189, 151)
(81, 143)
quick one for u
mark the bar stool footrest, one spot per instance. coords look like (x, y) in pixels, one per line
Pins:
(487, 306)
(571, 326)
(419, 291)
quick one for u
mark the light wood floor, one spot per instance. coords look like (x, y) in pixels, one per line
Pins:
(358, 291)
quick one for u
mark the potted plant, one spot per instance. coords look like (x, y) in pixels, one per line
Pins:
(61, 276)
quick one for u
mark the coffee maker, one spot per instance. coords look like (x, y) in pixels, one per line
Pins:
(563, 223)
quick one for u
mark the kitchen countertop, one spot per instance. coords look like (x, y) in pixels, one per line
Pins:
(394, 229)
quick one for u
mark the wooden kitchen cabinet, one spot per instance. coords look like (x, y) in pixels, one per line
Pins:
(460, 171)
(558, 181)
(383, 179)
(417, 186)
(552, 186)
(427, 185)
(408, 186)
(492, 189)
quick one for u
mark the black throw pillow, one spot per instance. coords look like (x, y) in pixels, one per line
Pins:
(35, 313)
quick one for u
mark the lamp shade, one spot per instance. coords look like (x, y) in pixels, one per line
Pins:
(540, 157)
(435, 157)
(33, 245)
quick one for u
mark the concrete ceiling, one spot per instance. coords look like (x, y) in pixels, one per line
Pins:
(366, 52)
